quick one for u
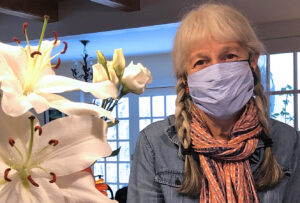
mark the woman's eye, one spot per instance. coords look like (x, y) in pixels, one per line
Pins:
(231, 56)
(199, 63)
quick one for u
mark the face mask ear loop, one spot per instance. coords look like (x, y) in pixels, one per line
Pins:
(252, 70)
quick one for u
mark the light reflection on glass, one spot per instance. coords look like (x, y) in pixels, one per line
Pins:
(124, 172)
(111, 169)
(144, 123)
(170, 104)
(144, 107)
(158, 106)
(123, 108)
(284, 109)
(123, 128)
(281, 71)
(124, 154)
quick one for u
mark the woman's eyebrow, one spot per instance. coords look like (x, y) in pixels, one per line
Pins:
(201, 55)
(227, 49)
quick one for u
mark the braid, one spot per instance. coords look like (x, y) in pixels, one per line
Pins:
(269, 173)
(192, 175)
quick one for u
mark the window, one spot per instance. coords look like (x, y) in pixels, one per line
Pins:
(134, 112)
(115, 170)
(155, 108)
(280, 81)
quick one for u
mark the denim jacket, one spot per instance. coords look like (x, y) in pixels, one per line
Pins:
(158, 165)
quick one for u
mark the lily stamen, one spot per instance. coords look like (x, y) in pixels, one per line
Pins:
(57, 64)
(53, 177)
(55, 37)
(34, 53)
(16, 40)
(65, 48)
(32, 181)
(6, 174)
(11, 142)
(39, 128)
(53, 142)
(25, 25)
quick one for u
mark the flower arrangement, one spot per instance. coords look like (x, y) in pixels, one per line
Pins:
(46, 163)
(132, 78)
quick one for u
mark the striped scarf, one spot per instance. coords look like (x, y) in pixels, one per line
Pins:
(225, 164)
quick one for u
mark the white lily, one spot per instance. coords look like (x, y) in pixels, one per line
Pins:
(28, 81)
(47, 168)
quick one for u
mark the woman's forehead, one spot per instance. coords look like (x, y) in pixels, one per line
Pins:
(211, 45)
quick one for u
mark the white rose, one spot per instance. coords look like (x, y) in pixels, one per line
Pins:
(100, 74)
(135, 78)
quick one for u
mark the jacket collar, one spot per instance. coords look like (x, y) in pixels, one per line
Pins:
(172, 135)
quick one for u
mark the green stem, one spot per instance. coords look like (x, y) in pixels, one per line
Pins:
(116, 101)
(43, 32)
(31, 141)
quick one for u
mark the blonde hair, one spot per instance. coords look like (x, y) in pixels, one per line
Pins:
(223, 24)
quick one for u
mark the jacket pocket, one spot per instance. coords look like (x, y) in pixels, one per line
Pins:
(172, 178)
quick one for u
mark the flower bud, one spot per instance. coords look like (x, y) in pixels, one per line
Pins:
(118, 62)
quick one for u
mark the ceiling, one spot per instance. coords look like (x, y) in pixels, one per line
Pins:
(110, 24)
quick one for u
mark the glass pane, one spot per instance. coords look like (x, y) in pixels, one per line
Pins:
(124, 172)
(124, 153)
(122, 186)
(114, 188)
(158, 106)
(281, 71)
(123, 108)
(100, 159)
(157, 119)
(144, 107)
(111, 175)
(113, 113)
(262, 64)
(123, 128)
(99, 169)
(170, 104)
(298, 110)
(284, 109)
(113, 146)
(111, 133)
(298, 69)
(144, 123)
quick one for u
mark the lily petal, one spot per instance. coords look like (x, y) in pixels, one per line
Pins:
(15, 192)
(15, 59)
(75, 108)
(13, 127)
(59, 84)
(9, 191)
(47, 192)
(80, 187)
(81, 144)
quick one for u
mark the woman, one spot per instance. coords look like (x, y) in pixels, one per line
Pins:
(221, 145)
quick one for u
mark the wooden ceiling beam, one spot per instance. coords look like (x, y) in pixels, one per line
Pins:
(31, 9)
(125, 5)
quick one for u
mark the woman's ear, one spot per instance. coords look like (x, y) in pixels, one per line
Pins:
(254, 61)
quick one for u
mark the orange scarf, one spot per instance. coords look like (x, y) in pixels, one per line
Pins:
(225, 164)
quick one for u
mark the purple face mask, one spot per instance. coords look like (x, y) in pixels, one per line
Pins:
(222, 89)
